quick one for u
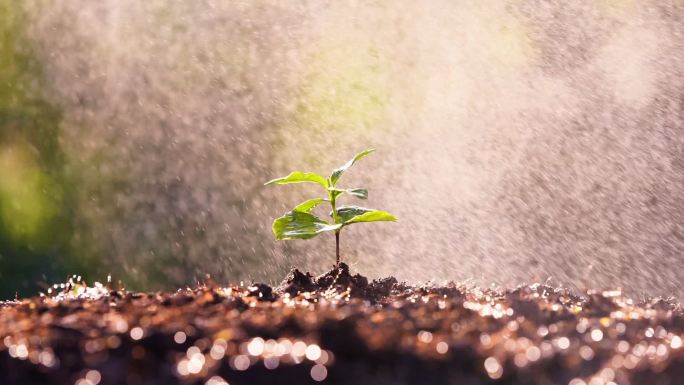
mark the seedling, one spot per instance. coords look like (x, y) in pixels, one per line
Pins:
(299, 223)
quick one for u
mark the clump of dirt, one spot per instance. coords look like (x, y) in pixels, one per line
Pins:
(297, 282)
(340, 328)
(262, 292)
(339, 280)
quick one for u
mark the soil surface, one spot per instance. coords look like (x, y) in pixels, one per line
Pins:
(339, 328)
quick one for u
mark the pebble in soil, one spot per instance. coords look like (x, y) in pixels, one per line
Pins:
(339, 328)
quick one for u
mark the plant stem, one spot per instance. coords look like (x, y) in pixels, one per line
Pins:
(337, 248)
(337, 232)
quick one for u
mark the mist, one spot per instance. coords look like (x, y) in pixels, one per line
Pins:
(518, 141)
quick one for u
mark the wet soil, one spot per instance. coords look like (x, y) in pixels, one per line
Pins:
(340, 328)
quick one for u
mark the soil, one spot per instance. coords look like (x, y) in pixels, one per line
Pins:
(340, 328)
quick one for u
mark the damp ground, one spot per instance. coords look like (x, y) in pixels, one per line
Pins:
(339, 328)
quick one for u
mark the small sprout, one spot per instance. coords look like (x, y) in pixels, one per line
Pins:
(299, 223)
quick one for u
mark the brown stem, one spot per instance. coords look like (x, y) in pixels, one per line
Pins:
(337, 247)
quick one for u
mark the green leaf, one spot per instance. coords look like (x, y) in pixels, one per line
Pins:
(300, 225)
(346, 213)
(300, 177)
(371, 216)
(355, 214)
(307, 206)
(337, 173)
(357, 192)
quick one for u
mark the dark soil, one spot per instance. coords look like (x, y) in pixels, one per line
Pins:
(342, 329)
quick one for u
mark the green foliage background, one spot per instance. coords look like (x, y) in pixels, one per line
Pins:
(37, 190)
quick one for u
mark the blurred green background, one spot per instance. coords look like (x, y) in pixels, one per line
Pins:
(38, 198)
(517, 140)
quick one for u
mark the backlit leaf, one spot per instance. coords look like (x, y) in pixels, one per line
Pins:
(357, 192)
(307, 206)
(300, 225)
(354, 214)
(346, 213)
(372, 216)
(300, 177)
(337, 173)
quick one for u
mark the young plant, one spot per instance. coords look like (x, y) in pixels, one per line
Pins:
(299, 223)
